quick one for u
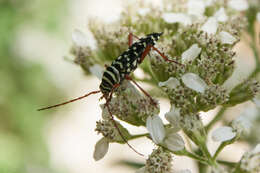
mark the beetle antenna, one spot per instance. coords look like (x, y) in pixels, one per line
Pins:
(69, 101)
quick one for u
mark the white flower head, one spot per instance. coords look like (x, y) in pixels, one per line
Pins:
(226, 38)
(173, 141)
(101, 149)
(222, 134)
(258, 16)
(191, 53)
(173, 116)
(221, 15)
(196, 7)
(239, 5)
(79, 38)
(177, 18)
(97, 71)
(156, 129)
(171, 83)
(193, 81)
(211, 26)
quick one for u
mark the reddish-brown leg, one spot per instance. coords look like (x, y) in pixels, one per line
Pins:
(165, 57)
(108, 99)
(73, 100)
(145, 93)
(131, 36)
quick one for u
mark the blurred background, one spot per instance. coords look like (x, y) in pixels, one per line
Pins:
(36, 70)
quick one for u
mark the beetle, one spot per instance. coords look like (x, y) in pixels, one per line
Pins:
(120, 69)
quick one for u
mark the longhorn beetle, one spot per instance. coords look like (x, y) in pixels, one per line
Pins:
(120, 69)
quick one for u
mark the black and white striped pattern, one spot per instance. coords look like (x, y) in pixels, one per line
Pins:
(126, 63)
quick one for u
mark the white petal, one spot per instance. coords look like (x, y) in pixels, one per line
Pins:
(222, 134)
(238, 5)
(176, 18)
(79, 38)
(226, 38)
(193, 81)
(97, 71)
(173, 116)
(156, 129)
(210, 26)
(221, 15)
(191, 53)
(101, 149)
(171, 83)
(196, 7)
(257, 102)
(174, 142)
(258, 16)
(141, 170)
(183, 171)
(143, 11)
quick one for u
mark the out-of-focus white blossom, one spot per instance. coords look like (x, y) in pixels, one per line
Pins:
(177, 18)
(143, 11)
(241, 123)
(191, 53)
(211, 26)
(170, 83)
(222, 134)
(193, 81)
(79, 38)
(156, 129)
(250, 161)
(141, 170)
(101, 149)
(196, 7)
(221, 15)
(239, 5)
(97, 71)
(226, 38)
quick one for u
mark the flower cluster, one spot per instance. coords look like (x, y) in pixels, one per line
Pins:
(199, 35)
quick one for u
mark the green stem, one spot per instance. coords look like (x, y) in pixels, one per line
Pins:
(220, 148)
(226, 163)
(184, 152)
(216, 118)
(139, 136)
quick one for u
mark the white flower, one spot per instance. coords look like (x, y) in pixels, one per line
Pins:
(222, 134)
(173, 141)
(183, 171)
(258, 16)
(196, 7)
(79, 38)
(257, 102)
(210, 26)
(250, 161)
(173, 116)
(143, 11)
(221, 15)
(193, 81)
(170, 83)
(226, 38)
(97, 71)
(177, 18)
(191, 53)
(239, 5)
(156, 129)
(101, 149)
